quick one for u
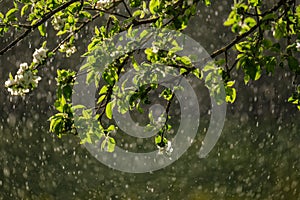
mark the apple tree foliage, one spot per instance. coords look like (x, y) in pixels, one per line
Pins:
(266, 37)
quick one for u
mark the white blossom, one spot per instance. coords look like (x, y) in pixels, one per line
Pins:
(101, 3)
(160, 150)
(154, 49)
(63, 47)
(167, 149)
(114, 53)
(57, 23)
(23, 67)
(24, 80)
(242, 24)
(298, 46)
(39, 55)
(9, 83)
(68, 49)
(13, 91)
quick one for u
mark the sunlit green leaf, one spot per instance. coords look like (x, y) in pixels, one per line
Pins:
(42, 30)
(153, 6)
(111, 143)
(108, 110)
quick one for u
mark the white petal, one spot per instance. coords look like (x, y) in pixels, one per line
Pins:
(23, 66)
(9, 83)
(26, 90)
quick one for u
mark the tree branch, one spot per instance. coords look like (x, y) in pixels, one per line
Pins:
(109, 93)
(71, 34)
(127, 9)
(15, 25)
(242, 36)
(106, 11)
(76, 31)
(33, 27)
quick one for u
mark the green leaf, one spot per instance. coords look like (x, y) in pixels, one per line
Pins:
(100, 99)
(111, 143)
(103, 90)
(10, 14)
(153, 6)
(291, 99)
(44, 44)
(174, 49)
(246, 78)
(137, 13)
(90, 76)
(270, 65)
(87, 114)
(135, 64)
(24, 9)
(197, 72)
(230, 83)
(250, 21)
(135, 3)
(76, 107)
(85, 14)
(11, 76)
(254, 2)
(143, 34)
(50, 54)
(62, 101)
(160, 142)
(207, 2)
(103, 144)
(108, 144)
(293, 64)
(42, 30)
(53, 123)
(70, 19)
(280, 29)
(243, 46)
(108, 110)
(254, 71)
(231, 19)
(97, 31)
(58, 106)
(111, 128)
(129, 32)
(269, 16)
(157, 139)
(230, 94)
(182, 70)
(184, 60)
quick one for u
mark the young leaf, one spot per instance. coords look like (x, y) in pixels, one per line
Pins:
(108, 110)
(111, 143)
(153, 5)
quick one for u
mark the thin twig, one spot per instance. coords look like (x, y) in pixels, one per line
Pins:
(258, 21)
(76, 31)
(35, 26)
(71, 34)
(242, 36)
(233, 65)
(110, 89)
(107, 12)
(126, 7)
(15, 25)
(144, 21)
(226, 61)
